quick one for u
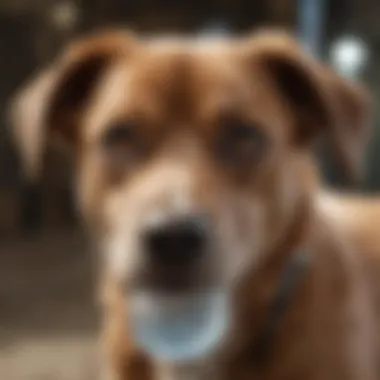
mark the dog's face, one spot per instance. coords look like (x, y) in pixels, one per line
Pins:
(192, 150)
(192, 157)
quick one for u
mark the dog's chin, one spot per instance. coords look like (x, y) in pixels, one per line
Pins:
(179, 328)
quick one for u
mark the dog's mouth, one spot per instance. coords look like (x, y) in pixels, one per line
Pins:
(175, 282)
(177, 307)
(179, 327)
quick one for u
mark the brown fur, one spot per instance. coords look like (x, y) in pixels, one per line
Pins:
(178, 92)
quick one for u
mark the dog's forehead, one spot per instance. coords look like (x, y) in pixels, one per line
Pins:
(172, 79)
(192, 44)
(185, 65)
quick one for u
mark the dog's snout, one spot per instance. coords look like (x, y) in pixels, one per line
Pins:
(179, 242)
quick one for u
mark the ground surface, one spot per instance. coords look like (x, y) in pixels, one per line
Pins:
(48, 314)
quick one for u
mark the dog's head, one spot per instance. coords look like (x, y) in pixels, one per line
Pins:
(191, 156)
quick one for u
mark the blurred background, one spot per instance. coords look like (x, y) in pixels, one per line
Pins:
(48, 316)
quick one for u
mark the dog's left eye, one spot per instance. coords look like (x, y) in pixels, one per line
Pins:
(117, 134)
(120, 144)
(241, 142)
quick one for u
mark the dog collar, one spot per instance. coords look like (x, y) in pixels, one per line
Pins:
(286, 289)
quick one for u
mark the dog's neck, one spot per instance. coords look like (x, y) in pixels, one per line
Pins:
(255, 295)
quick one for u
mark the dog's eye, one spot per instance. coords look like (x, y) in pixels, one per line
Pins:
(241, 142)
(117, 134)
(121, 145)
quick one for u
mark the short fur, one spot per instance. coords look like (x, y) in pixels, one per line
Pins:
(178, 92)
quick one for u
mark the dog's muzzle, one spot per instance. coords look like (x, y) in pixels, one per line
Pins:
(176, 254)
(180, 312)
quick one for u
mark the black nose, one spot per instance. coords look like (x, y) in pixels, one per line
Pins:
(179, 242)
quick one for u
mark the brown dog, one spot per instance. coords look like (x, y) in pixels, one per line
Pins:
(195, 174)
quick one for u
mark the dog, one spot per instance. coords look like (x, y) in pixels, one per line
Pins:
(222, 256)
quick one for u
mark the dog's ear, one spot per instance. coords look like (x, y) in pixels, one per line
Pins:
(321, 103)
(52, 103)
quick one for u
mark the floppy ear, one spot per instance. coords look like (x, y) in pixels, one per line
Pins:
(52, 103)
(321, 102)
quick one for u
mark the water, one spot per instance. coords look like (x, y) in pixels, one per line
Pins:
(179, 329)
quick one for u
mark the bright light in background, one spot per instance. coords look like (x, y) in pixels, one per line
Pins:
(349, 54)
(65, 15)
